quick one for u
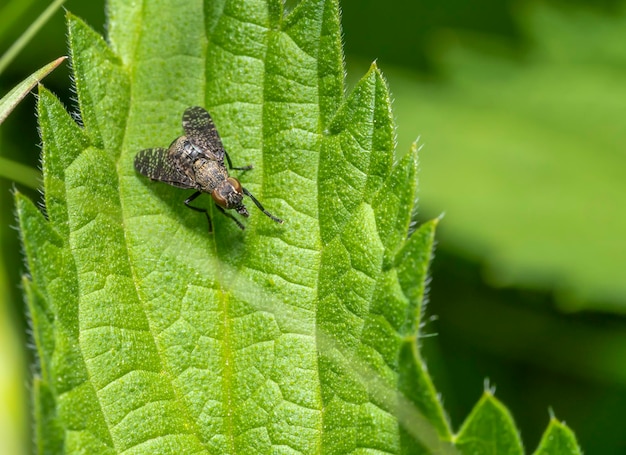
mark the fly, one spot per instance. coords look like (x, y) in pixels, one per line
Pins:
(196, 161)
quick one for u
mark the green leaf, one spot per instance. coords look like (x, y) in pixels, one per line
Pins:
(522, 154)
(558, 439)
(155, 336)
(489, 429)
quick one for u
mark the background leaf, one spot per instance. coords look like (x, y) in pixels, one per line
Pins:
(13, 417)
(12, 9)
(533, 144)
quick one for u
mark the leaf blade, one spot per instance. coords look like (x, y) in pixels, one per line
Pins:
(300, 337)
(489, 429)
(558, 439)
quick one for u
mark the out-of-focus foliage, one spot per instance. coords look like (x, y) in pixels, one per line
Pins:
(27, 35)
(406, 33)
(12, 392)
(527, 156)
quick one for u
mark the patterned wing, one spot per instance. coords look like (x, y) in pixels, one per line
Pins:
(201, 132)
(154, 164)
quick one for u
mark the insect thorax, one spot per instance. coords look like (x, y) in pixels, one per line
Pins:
(209, 174)
(183, 154)
(206, 172)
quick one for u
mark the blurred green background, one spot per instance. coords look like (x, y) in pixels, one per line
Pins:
(521, 110)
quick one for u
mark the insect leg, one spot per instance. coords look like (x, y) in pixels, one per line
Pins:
(199, 209)
(241, 226)
(258, 204)
(230, 164)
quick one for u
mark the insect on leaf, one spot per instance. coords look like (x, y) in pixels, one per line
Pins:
(197, 161)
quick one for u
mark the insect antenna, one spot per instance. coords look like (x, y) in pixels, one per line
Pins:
(258, 204)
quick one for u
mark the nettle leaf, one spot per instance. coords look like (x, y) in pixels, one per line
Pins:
(155, 336)
(489, 429)
(558, 438)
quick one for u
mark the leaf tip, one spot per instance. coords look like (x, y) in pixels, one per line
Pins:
(19, 199)
(69, 15)
(74, 24)
(42, 92)
(376, 73)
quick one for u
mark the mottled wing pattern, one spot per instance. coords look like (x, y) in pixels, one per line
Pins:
(154, 164)
(201, 132)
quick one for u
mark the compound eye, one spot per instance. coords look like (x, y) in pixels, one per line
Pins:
(236, 185)
(219, 199)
